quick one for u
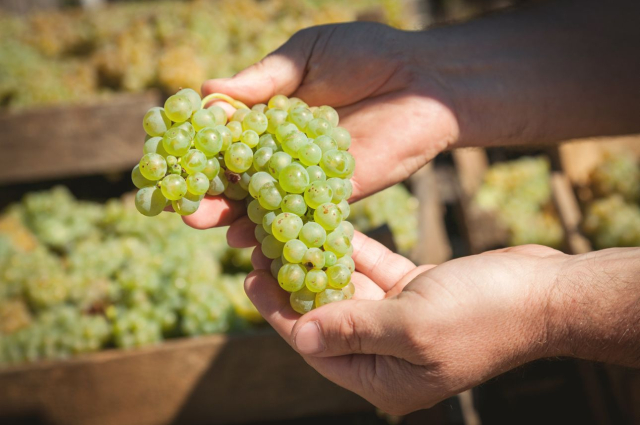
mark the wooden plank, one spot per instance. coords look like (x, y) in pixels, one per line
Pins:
(66, 141)
(216, 379)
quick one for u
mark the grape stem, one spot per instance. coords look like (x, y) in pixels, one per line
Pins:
(231, 101)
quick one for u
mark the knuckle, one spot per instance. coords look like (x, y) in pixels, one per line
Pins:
(349, 332)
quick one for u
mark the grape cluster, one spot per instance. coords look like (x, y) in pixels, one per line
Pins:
(289, 161)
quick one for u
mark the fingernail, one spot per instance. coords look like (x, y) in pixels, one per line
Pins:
(309, 339)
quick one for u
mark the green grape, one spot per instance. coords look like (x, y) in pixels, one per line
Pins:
(209, 141)
(328, 216)
(310, 154)
(275, 117)
(245, 178)
(294, 250)
(329, 296)
(284, 130)
(279, 101)
(149, 201)
(337, 163)
(186, 126)
(139, 180)
(194, 161)
(176, 141)
(270, 196)
(313, 258)
(185, 206)
(300, 116)
(217, 186)
(256, 212)
(347, 229)
(259, 107)
(318, 193)
(261, 158)
(329, 258)
(293, 143)
(344, 208)
(197, 184)
(318, 127)
(316, 280)
(175, 169)
(316, 174)
(295, 204)
(178, 108)
(348, 187)
(275, 267)
(219, 114)
(258, 180)
(294, 178)
(211, 169)
(337, 242)
(339, 276)
(312, 234)
(295, 102)
(194, 98)
(235, 191)
(271, 247)
(227, 137)
(267, 141)
(236, 130)
(291, 277)
(202, 119)
(255, 121)
(278, 161)
(342, 138)
(174, 187)
(260, 233)
(327, 113)
(238, 157)
(347, 261)
(171, 160)
(250, 138)
(325, 143)
(239, 115)
(267, 221)
(156, 122)
(302, 301)
(349, 290)
(286, 226)
(339, 189)
(154, 145)
(153, 166)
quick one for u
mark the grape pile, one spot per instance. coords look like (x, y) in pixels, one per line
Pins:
(289, 161)
(519, 193)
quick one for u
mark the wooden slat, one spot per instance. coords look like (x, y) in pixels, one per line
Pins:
(69, 141)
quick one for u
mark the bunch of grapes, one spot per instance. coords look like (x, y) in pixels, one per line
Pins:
(289, 161)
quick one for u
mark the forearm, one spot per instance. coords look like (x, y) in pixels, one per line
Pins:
(594, 307)
(549, 72)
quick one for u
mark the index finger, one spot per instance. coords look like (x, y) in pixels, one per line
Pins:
(215, 211)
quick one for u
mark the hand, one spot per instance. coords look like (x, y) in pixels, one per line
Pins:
(413, 336)
(398, 115)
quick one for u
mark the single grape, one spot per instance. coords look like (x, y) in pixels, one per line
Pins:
(250, 138)
(238, 157)
(318, 193)
(347, 229)
(316, 280)
(186, 126)
(149, 201)
(271, 247)
(339, 276)
(178, 108)
(209, 141)
(156, 122)
(295, 204)
(245, 178)
(327, 113)
(175, 169)
(227, 137)
(329, 258)
(197, 184)
(294, 178)
(278, 161)
(284, 130)
(329, 296)
(260, 233)
(239, 114)
(219, 114)
(194, 98)
(211, 169)
(348, 187)
(291, 277)
(267, 221)
(313, 235)
(176, 141)
(279, 101)
(154, 145)
(313, 258)
(185, 206)
(270, 196)
(318, 127)
(141, 181)
(344, 208)
(349, 290)
(316, 174)
(337, 242)
(310, 154)
(342, 138)
(174, 187)
(325, 143)
(261, 158)
(153, 166)
(259, 107)
(293, 143)
(294, 250)
(256, 212)
(339, 189)
(171, 160)
(275, 117)
(286, 226)
(235, 191)
(255, 121)
(294, 102)
(275, 267)
(328, 216)
(258, 180)
(302, 301)
(335, 163)
(194, 161)
(217, 185)
(300, 116)
(267, 141)
(347, 261)
(236, 130)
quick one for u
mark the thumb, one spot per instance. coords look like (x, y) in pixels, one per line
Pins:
(280, 72)
(353, 327)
